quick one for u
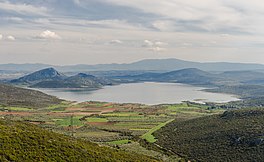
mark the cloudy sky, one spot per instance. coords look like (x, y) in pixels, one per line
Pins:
(120, 31)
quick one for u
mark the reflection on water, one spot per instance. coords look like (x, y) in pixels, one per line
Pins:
(145, 93)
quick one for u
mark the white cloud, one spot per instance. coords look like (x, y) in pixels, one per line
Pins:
(148, 43)
(11, 38)
(157, 49)
(116, 41)
(156, 46)
(49, 35)
(1, 36)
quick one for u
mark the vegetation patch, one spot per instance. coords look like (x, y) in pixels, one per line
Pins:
(149, 137)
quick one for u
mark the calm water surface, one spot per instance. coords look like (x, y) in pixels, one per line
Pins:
(145, 93)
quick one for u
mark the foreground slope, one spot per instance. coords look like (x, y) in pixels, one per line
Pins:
(27, 142)
(15, 96)
(232, 136)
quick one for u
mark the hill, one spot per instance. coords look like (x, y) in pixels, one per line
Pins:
(48, 74)
(244, 91)
(85, 80)
(80, 80)
(233, 136)
(15, 96)
(188, 76)
(27, 142)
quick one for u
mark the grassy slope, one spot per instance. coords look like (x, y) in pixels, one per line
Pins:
(26, 142)
(20, 97)
(233, 136)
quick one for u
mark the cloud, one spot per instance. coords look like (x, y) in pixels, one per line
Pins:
(11, 38)
(229, 16)
(48, 35)
(156, 46)
(1, 36)
(116, 41)
(77, 2)
(164, 25)
(24, 9)
(148, 43)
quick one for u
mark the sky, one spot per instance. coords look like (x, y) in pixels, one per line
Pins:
(63, 32)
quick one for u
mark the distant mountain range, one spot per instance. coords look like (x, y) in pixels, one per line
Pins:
(144, 65)
(50, 78)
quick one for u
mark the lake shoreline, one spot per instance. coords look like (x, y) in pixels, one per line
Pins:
(149, 93)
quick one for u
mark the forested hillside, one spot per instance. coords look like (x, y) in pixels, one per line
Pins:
(233, 136)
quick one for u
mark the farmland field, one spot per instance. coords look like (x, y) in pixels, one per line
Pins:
(122, 126)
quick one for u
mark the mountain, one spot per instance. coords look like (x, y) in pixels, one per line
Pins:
(49, 74)
(168, 65)
(22, 141)
(15, 96)
(233, 136)
(80, 80)
(143, 65)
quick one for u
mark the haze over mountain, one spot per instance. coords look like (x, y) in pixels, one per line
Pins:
(144, 65)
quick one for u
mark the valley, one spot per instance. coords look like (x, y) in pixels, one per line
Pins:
(131, 81)
(151, 111)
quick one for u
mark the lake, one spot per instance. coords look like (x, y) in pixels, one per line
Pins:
(146, 93)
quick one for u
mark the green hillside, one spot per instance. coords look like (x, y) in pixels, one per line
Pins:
(15, 96)
(233, 136)
(26, 142)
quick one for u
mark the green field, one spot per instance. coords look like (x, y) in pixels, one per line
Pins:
(92, 119)
(149, 135)
(19, 109)
(69, 121)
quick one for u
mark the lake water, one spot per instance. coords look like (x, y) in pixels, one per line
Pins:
(145, 93)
